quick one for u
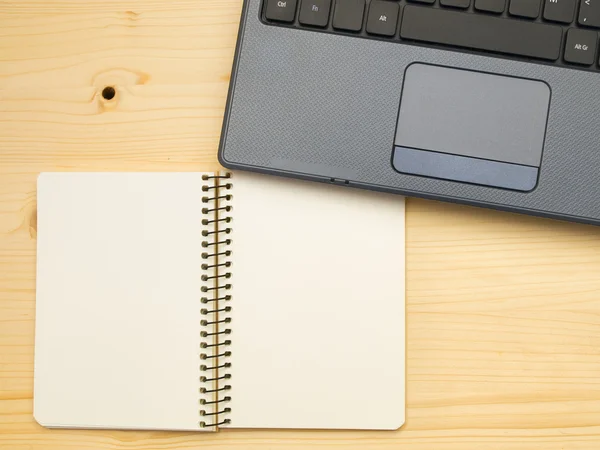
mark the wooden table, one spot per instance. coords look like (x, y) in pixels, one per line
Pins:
(503, 310)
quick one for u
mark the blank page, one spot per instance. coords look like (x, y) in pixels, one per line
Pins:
(318, 281)
(118, 300)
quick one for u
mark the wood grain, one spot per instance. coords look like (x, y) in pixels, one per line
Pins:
(503, 310)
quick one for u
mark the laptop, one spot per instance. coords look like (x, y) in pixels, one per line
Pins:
(492, 103)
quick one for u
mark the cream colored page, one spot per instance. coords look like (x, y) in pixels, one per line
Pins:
(318, 303)
(118, 301)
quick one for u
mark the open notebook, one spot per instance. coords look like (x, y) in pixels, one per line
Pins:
(190, 301)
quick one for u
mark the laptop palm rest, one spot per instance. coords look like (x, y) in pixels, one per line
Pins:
(471, 127)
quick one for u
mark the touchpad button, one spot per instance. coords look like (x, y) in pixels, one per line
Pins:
(471, 127)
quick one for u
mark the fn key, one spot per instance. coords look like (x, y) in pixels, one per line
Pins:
(382, 18)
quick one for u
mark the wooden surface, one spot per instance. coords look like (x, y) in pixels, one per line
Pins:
(503, 310)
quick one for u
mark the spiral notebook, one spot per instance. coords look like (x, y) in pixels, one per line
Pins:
(204, 301)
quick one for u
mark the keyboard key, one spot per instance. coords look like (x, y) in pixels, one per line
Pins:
(525, 8)
(383, 18)
(559, 10)
(581, 46)
(423, 1)
(314, 12)
(589, 13)
(348, 14)
(456, 3)
(483, 32)
(281, 10)
(494, 6)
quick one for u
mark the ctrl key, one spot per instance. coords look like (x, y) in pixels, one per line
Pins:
(281, 10)
(581, 47)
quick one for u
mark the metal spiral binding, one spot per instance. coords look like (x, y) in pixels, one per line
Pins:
(216, 319)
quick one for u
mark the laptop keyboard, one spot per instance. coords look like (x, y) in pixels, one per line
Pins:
(563, 32)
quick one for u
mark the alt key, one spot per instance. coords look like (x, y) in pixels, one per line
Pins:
(383, 18)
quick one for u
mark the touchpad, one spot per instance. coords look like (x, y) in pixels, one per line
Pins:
(471, 127)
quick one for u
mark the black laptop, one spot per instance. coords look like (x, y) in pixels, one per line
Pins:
(492, 103)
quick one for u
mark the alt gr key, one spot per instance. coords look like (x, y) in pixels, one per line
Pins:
(581, 46)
